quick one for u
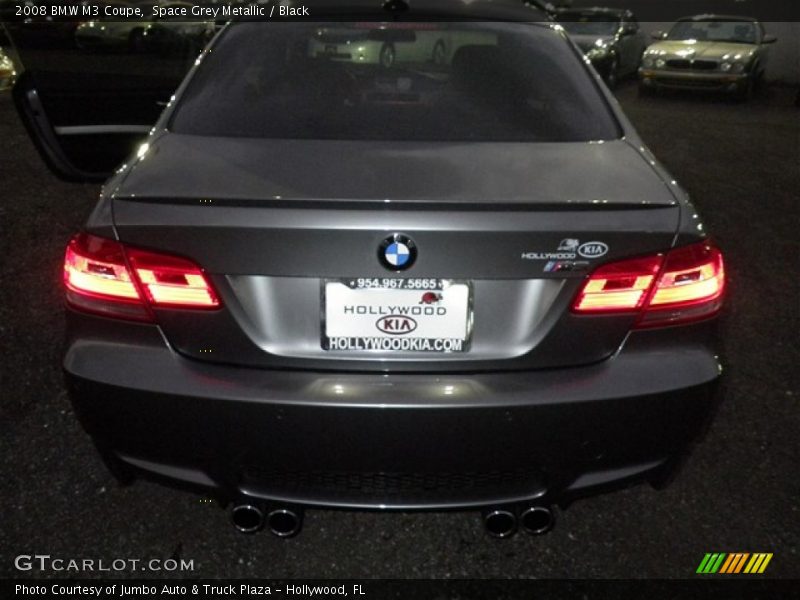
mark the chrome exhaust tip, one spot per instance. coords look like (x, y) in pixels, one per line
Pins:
(247, 518)
(537, 520)
(285, 522)
(500, 523)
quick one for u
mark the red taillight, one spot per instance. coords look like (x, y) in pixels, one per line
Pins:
(97, 279)
(684, 284)
(171, 282)
(690, 287)
(100, 278)
(618, 287)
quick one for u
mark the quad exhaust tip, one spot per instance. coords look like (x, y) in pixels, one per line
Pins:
(285, 522)
(537, 520)
(504, 522)
(282, 522)
(247, 518)
(500, 522)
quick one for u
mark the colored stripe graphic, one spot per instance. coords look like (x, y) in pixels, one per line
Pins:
(703, 563)
(740, 564)
(765, 563)
(715, 567)
(754, 562)
(711, 563)
(734, 563)
(728, 562)
(758, 563)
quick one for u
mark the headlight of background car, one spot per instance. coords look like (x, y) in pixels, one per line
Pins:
(660, 63)
(732, 67)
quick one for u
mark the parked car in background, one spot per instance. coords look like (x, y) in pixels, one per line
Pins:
(708, 52)
(375, 46)
(175, 35)
(8, 72)
(43, 30)
(434, 43)
(161, 35)
(610, 38)
(108, 34)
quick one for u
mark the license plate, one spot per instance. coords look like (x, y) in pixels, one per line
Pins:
(396, 315)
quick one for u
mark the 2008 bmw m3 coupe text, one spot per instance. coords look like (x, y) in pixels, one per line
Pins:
(456, 279)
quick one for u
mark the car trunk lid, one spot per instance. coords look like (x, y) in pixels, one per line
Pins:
(273, 222)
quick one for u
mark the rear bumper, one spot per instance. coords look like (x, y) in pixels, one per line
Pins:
(392, 441)
(689, 80)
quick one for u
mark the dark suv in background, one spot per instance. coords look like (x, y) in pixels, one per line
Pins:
(610, 38)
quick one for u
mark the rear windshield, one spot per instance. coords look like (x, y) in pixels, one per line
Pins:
(715, 31)
(402, 82)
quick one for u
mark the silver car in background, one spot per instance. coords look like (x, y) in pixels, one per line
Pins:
(708, 52)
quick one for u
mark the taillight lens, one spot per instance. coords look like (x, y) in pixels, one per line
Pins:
(619, 287)
(682, 285)
(105, 277)
(690, 287)
(97, 279)
(172, 282)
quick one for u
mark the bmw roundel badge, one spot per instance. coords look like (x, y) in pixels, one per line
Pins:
(397, 252)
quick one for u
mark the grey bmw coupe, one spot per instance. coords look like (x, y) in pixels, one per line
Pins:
(453, 280)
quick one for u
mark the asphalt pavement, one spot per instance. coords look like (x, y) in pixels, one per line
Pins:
(739, 491)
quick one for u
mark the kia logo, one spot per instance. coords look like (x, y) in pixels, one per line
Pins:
(396, 324)
(593, 249)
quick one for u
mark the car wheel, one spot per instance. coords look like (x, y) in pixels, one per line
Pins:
(387, 55)
(612, 75)
(136, 40)
(439, 56)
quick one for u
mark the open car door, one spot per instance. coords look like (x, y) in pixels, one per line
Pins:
(89, 91)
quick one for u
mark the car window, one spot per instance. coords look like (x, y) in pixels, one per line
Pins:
(715, 31)
(404, 81)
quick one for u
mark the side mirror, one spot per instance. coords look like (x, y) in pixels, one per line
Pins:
(659, 35)
(769, 39)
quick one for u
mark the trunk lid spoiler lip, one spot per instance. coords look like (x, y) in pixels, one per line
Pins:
(398, 205)
(449, 176)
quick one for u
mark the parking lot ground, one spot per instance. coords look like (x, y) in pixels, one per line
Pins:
(739, 491)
